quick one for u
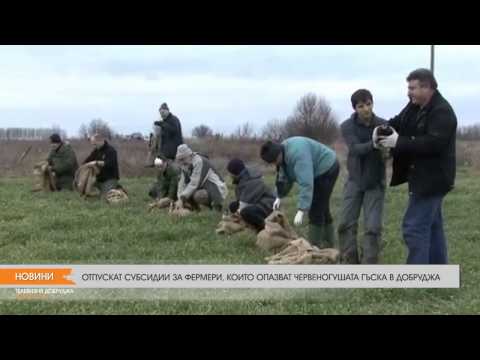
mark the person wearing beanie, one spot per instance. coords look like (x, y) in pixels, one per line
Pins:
(169, 132)
(62, 163)
(315, 168)
(154, 146)
(55, 139)
(200, 183)
(254, 200)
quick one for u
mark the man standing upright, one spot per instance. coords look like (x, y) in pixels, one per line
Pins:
(365, 185)
(423, 149)
(171, 132)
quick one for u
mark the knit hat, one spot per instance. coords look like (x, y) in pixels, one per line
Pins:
(164, 106)
(183, 151)
(235, 167)
(55, 139)
(270, 151)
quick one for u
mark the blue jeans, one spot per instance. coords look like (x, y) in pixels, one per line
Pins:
(423, 230)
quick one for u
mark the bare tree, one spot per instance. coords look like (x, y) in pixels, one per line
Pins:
(83, 132)
(469, 132)
(99, 126)
(313, 118)
(202, 131)
(274, 130)
(245, 131)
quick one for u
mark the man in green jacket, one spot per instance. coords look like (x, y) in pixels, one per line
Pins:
(314, 167)
(167, 180)
(62, 161)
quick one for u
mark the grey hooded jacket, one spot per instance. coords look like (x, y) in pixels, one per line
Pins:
(252, 190)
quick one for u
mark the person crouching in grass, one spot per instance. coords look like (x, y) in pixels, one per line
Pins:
(254, 200)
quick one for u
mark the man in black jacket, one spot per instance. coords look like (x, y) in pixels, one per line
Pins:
(171, 132)
(423, 149)
(105, 157)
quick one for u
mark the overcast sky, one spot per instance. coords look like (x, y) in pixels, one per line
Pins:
(219, 86)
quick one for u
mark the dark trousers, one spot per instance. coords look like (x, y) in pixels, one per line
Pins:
(423, 230)
(106, 186)
(253, 215)
(64, 183)
(323, 185)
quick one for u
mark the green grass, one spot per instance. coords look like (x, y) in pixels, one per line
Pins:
(38, 228)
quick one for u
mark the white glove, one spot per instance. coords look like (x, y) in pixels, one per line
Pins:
(158, 162)
(276, 204)
(375, 138)
(390, 141)
(298, 218)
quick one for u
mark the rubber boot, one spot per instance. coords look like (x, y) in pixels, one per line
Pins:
(315, 236)
(328, 236)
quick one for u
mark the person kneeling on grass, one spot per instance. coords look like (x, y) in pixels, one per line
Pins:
(165, 188)
(62, 162)
(254, 199)
(200, 183)
(105, 157)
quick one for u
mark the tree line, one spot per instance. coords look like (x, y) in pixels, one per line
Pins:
(311, 117)
(29, 133)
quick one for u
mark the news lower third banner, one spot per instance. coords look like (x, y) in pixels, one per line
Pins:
(228, 276)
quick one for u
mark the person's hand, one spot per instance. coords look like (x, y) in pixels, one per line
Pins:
(158, 123)
(298, 218)
(178, 204)
(100, 163)
(181, 202)
(158, 162)
(276, 204)
(390, 141)
(91, 164)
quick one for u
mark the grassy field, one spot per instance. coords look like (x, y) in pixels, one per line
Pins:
(60, 228)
